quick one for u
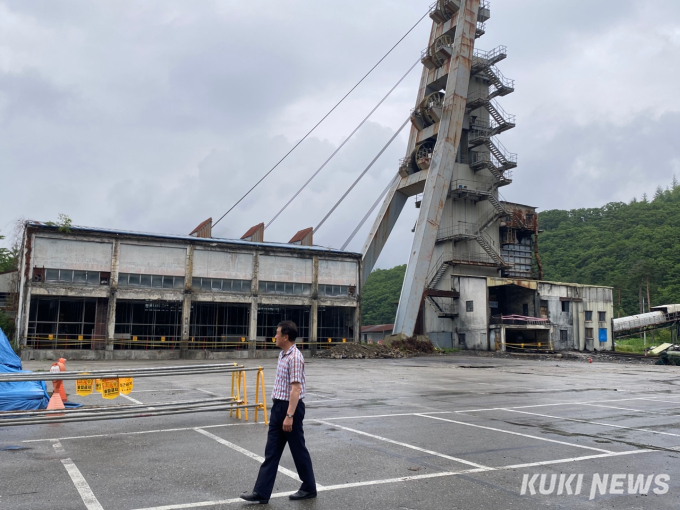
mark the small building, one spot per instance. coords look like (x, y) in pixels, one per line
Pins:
(375, 334)
(495, 313)
(114, 294)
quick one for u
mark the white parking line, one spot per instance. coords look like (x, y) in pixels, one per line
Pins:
(133, 400)
(624, 409)
(516, 433)
(369, 483)
(139, 432)
(405, 445)
(250, 454)
(90, 500)
(56, 444)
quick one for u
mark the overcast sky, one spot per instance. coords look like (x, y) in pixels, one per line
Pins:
(152, 116)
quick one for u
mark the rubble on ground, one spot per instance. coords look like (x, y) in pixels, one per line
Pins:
(359, 351)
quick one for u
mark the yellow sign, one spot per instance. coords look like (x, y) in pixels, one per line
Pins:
(84, 387)
(243, 339)
(134, 338)
(330, 340)
(98, 385)
(344, 340)
(50, 337)
(110, 388)
(80, 337)
(125, 384)
(162, 339)
(274, 339)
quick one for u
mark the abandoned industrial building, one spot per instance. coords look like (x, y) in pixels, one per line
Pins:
(473, 281)
(115, 294)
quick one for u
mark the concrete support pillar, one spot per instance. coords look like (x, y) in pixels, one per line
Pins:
(113, 283)
(313, 326)
(314, 308)
(186, 302)
(252, 328)
(357, 323)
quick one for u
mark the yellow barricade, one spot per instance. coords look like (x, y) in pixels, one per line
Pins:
(239, 392)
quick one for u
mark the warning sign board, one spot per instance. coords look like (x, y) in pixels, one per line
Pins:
(84, 387)
(98, 385)
(110, 388)
(125, 384)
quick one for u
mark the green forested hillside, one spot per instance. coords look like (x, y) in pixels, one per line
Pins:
(381, 295)
(620, 245)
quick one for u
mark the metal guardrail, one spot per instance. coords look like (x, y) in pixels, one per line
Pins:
(237, 402)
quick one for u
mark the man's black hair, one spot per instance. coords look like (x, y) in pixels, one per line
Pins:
(288, 328)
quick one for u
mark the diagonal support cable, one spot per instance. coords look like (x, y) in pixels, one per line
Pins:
(363, 173)
(342, 144)
(375, 204)
(323, 118)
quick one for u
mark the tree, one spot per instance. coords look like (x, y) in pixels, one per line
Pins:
(674, 184)
(64, 223)
(658, 193)
(8, 258)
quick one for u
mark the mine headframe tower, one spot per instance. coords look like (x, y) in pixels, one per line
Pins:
(456, 162)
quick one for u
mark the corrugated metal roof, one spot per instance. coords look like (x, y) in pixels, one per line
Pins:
(252, 230)
(379, 328)
(235, 242)
(201, 225)
(301, 235)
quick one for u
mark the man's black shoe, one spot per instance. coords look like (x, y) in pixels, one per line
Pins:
(302, 495)
(254, 497)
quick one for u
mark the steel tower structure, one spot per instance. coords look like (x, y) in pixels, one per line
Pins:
(455, 161)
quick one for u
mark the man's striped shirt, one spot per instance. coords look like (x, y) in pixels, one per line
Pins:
(290, 369)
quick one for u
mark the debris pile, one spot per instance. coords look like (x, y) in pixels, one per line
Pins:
(359, 351)
(413, 345)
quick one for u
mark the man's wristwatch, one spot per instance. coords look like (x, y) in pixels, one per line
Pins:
(289, 415)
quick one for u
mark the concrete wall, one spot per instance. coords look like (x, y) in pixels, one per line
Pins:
(474, 325)
(220, 264)
(70, 254)
(285, 269)
(161, 260)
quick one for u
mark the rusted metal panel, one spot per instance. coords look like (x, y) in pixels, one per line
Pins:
(497, 282)
(440, 171)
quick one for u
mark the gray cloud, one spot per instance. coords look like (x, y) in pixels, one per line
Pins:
(154, 116)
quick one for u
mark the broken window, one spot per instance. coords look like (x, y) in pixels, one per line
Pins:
(300, 289)
(61, 323)
(148, 324)
(219, 326)
(333, 290)
(335, 323)
(469, 306)
(150, 281)
(565, 306)
(268, 318)
(525, 309)
(589, 316)
(602, 316)
(589, 334)
(564, 333)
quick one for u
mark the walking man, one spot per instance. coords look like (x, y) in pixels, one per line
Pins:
(285, 421)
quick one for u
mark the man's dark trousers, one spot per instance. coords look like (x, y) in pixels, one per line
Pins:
(276, 442)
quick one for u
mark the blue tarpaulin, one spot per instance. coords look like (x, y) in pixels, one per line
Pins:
(23, 395)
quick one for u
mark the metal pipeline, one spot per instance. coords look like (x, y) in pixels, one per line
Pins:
(136, 414)
(112, 408)
(105, 374)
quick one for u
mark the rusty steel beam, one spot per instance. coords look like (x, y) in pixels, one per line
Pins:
(440, 171)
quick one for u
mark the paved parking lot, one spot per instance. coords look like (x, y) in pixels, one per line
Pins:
(435, 432)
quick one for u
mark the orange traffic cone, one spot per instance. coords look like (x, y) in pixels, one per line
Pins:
(55, 403)
(58, 386)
